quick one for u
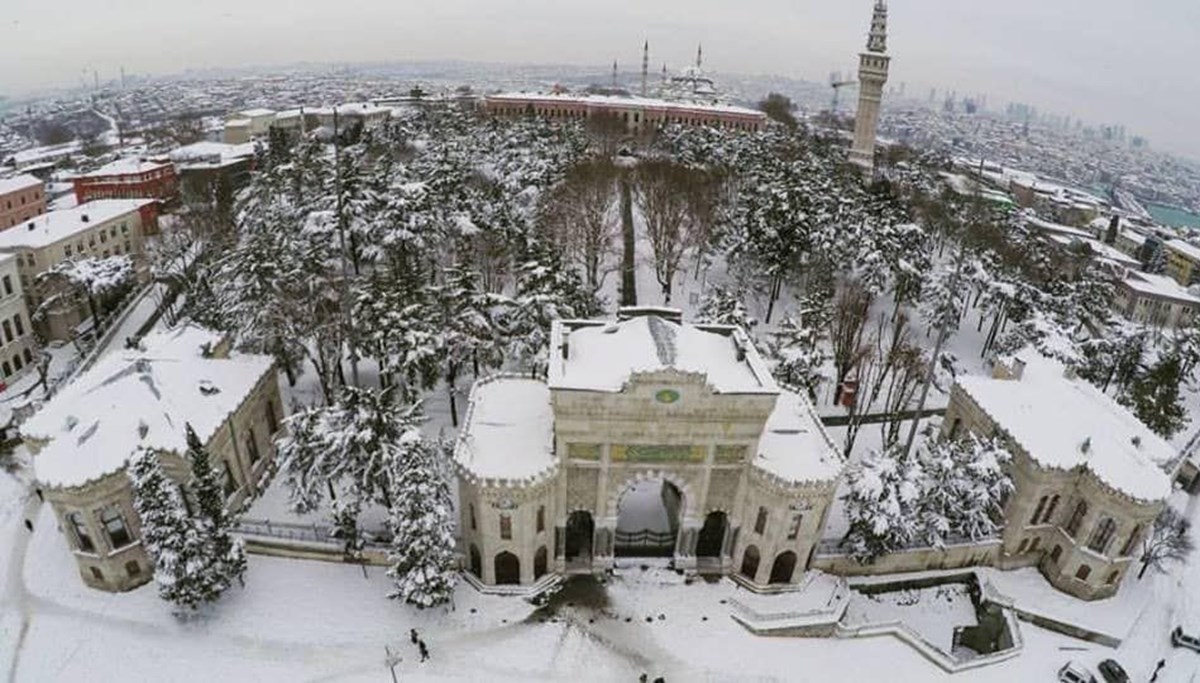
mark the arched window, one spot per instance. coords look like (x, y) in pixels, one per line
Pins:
(1083, 572)
(476, 562)
(471, 514)
(1023, 547)
(252, 447)
(1103, 535)
(783, 568)
(1036, 541)
(541, 518)
(508, 569)
(794, 529)
(539, 563)
(114, 526)
(1076, 521)
(1055, 554)
(760, 522)
(1050, 510)
(1132, 541)
(1037, 511)
(272, 423)
(83, 540)
(506, 526)
(133, 569)
(750, 559)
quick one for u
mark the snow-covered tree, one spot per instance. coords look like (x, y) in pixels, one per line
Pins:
(724, 305)
(798, 353)
(424, 566)
(882, 503)
(1154, 397)
(350, 446)
(227, 561)
(176, 541)
(545, 292)
(92, 278)
(965, 489)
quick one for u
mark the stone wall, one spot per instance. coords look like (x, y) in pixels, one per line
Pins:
(983, 553)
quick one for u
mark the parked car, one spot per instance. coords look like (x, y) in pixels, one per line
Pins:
(1179, 638)
(1074, 672)
(1113, 672)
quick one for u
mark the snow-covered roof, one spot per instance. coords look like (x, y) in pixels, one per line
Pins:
(647, 103)
(53, 226)
(134, 399)
(508, 433)
(1065, 422)
(1159, 286)
(127, 166)
(206, 149)
(602, 356)
(18, 183)
(1058, 228)
(794, 445)
(256, 113)
(1189, 250)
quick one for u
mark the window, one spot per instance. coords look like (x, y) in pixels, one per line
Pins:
(1112, 577)
(124, 229)
(1083, 572)
(955, 426)
(114, 526)
(1050, 510)
(18, 363)
(1076, 520)
(83, 539)
(541, 518)
(471, 514)
(8, 288)
(1132, 541)
(794, 529)
(97, 574)
(506, 527)
(127, 247)
(1056, 553)
(760, 522)
(19, 325)
(7, 368)
(1036, 541)
(8, 335)
(103, 236)
(1102, 536)
(252, 447)
(1037, 511)
(67, 251)
(1023, 547)
(132, 568)
(28, 355)
(228, 483)
(271, 421)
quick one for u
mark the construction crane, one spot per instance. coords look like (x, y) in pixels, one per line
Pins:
(836, 82)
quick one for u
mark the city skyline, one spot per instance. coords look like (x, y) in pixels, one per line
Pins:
(1088, 60)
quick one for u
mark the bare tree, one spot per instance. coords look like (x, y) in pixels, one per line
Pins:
(662, 189)
(1170, 539)
(846, 328)
(608, 129)
(581, 213)
(889, 373)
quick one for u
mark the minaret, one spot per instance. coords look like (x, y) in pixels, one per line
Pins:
(699, 54)
(872, 75)
(614, 85)
(645, 65)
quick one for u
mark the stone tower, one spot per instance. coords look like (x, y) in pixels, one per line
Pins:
(872, 75)
(645, 65)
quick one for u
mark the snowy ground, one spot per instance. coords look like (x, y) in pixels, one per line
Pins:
(933, 612)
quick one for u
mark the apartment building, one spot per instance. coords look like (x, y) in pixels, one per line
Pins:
(1183, 261)
(21, 198)
(98, 229)
(128, 179)
(18, 346)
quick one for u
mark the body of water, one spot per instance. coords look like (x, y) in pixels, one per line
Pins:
(1172, 215)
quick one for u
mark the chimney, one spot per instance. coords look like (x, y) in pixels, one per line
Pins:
(83, 217)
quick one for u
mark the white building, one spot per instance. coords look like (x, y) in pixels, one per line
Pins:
(1155, 301)
(17, 342)
(548, 469)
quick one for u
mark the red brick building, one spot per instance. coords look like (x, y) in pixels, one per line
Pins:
(637, 113)
(128, 179)
(21, 198)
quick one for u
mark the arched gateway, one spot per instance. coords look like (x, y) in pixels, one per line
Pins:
(648, 437)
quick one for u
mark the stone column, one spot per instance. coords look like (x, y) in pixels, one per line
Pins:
(602, 548)
(685, 545)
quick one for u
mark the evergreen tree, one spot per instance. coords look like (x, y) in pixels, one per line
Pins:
(964, 489)
(176, 541)
(424, 566)
(883, 503)
(798, 353)
(228, 556)
(1154, 397)
(723, 306)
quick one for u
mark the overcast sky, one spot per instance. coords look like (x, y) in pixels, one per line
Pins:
(1106, 60)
